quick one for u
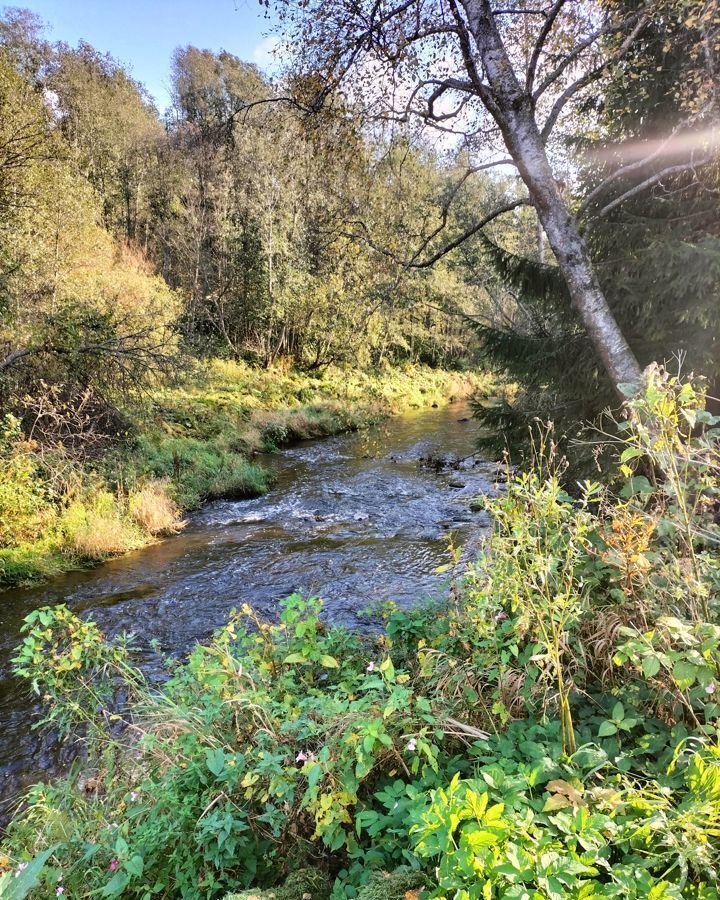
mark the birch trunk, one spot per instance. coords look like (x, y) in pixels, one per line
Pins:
(512, 108)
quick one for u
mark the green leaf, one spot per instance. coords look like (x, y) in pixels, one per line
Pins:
(637, 484)
(630, 453)
(295, 658)
(388, 669)
(135, 865)
(116, 885)
(12, 888)
(215, 760)
(607, 728)
(684, 673)
(650, 666)
(618, 713)
(329, 662)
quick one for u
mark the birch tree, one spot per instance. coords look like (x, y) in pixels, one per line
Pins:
(500, 77)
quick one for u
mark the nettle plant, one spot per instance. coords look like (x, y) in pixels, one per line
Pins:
(672, 435)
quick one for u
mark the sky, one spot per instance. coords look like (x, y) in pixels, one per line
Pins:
(143, 33)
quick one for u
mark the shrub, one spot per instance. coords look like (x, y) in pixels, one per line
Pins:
(25, 510)
(98, 527)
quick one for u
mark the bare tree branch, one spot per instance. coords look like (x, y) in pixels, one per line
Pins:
(575, 54)
(474, 229)
(639, 164)
(653, 179)
(589, 77)
(540, 43)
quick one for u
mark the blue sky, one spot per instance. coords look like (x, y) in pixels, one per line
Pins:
(144, 33)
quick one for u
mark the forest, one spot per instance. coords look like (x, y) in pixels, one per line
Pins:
(503, 216)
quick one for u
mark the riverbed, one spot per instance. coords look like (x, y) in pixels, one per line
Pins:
(356, 519)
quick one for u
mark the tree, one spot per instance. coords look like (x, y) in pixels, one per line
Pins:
(491, 74)
(647, 198)
(113, 131)
(78, 312)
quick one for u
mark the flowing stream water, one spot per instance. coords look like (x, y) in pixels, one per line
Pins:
(356, 519)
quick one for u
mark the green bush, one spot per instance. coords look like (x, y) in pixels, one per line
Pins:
(552, 732)
(25, 508)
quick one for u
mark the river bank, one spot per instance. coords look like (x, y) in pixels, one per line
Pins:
(551, 730)
(185, 445)
(358, 518)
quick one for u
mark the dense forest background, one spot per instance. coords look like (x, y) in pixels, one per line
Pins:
(278, 226)
(239, 224)
(226, 227)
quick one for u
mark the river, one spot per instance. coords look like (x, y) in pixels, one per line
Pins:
(355, 519)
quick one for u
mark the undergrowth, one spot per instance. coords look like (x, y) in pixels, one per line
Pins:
(551, 732)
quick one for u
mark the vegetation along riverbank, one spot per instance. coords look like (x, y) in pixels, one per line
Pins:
(191, 443)
(406, 191)
(551, 732)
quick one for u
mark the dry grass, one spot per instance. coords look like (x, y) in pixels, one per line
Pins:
(101, 536)
(96, 527)
(154, 510)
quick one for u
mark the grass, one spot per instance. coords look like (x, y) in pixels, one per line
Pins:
(193, 442)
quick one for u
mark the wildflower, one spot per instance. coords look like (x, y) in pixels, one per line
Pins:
(134, 796)
(113, 865)
(371, 667)
(710, 689)
(301, 757)
(60, 891)
(20, 869)
(500, 616)
(411, 744)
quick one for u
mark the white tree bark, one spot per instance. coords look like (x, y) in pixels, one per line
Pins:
(512, 108)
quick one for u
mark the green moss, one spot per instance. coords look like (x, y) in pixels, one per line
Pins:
(392, 885)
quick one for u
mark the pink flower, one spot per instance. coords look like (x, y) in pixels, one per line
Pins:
(500, 616)
(371, 667)
(411, 744)
(60, 891)
(710, 689)
(301, 757)
(134, 796)
(113, 865)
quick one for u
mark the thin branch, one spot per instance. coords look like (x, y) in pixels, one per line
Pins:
(589, 77)
(478, 226)
(653, 179)
(638, 164)
(540, 43)
(579, 50)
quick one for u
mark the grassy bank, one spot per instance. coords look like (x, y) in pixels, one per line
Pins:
(550, 734)
(188, 444)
